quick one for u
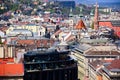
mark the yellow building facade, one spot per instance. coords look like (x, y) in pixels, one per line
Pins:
(31, 27)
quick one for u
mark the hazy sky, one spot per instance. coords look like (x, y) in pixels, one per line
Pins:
(83, 1)
(99, 0)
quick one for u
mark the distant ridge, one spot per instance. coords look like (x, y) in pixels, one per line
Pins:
(115, 5)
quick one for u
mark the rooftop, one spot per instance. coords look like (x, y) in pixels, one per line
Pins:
(103, 53)
(11, 70)
(97, 63)
(115, 25)
(114, 66)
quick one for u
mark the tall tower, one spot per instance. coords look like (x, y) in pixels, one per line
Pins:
(96, 17)
(81, 12)
(71, 12)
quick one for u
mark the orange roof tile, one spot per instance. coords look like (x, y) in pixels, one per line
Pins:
(80, 25)
(37, 43)
(6, 60)
(11, 69)
(28, 42)
(105, 23)
(109, 24)
(108, 61)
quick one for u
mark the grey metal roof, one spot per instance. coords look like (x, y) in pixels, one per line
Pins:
(82, 47)
(116, 23)
(86, 40)
(25, 32)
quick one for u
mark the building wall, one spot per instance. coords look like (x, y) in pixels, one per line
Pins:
(9, 52)
(53, 66)
(106, 10)
(60, 36)
(105, 77)
(33, 28)
(9, 30)
(93, 74)
(2, 34)
(1, 52)
(81, 64)
(41, 31)
(84, 59)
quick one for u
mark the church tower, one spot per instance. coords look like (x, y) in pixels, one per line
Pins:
(96, 17)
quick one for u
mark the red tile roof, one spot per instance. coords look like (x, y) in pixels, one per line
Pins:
(115, 64)
(6, 60)
(109, 24)
(80, 25)
(27, 42)
(103, 53)
(97, 63)
(11, 69)
(38, 43)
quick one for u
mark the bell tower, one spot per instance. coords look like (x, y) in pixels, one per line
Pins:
(96, 17)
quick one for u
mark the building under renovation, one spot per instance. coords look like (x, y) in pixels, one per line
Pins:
(49, 64)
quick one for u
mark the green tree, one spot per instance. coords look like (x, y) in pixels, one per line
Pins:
(92, 25)
(0, 40)
(14, 7)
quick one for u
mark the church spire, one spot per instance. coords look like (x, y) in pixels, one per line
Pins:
(81, 12)
(96, 17)
(71, 12)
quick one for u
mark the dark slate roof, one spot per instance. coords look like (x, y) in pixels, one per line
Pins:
(82, 47)
(116, 23)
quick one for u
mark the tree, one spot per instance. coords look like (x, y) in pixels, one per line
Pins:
(0, 40)
(92, 25)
